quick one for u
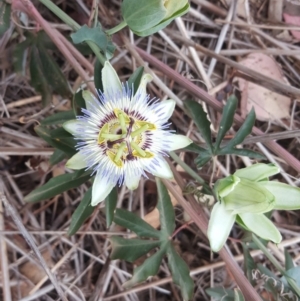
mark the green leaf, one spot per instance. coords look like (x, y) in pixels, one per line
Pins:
(166, 210)
(196, 149)
(82, 212)
(249, 264)
(180, 273)
(66, 145)
(98, 76)
(202, 160)
(19, 55)
(147, 269)
(78, 100)
(220, 293)
(134, 223)
(200, 118)
(46, 76)
(289, 263)
(95, 35)
(62, 133)
(58, 185)
(238, 296)
(244, 130)
(131, 249)
(142, 15)
(59, 118)
(38, 80)
(5, 9)
(293, 273)
(110, 206)
(135, 79)
(57, 157)
(240, 152)
(227, 120)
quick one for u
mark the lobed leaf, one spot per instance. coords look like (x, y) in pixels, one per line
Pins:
(147, 269)
(180, 273)
(58, 185)
(200, 118)
(67, 145)
(58, 118)
(57, 157)
(227, 120)
(240, 152)
(95, 35)
(5, 9)
(131, 249)
(110, 206)
(166, 210)
(238, 296)
(243, 131)
(134, 223)
(82, 212)
(289, 263)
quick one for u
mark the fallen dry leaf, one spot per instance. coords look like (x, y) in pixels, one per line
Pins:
(293, 20)
(268, 105)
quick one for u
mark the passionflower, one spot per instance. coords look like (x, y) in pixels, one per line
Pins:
(121, 135)
(244, 197)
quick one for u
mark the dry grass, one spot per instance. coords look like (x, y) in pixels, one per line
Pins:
(204, 47)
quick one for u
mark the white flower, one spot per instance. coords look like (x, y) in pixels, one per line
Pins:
(122, 135)
(244, 197)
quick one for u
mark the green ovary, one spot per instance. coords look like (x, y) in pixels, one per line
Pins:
(123, 136)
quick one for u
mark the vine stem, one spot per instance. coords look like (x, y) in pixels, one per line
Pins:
(275, 262)
(116, 28)
(74, 25)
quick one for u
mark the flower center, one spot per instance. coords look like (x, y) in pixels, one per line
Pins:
(124, 137)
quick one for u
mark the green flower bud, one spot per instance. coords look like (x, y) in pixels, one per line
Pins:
(145, 17)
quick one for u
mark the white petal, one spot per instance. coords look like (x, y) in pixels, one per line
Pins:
(101, 189)
(165, 109)
(110, 80)
(257, 172)
(286, 197)
(77, 161)
(178, 141)
(141, 92)
(132, 182)
(220, 224)
(261, 226)
(90, 101)
(71, 126)
(161, 169)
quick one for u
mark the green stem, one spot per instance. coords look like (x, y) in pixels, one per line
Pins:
(61, 14)
(274, 261)
(117, 28)
(74, 25)
(189, 170)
